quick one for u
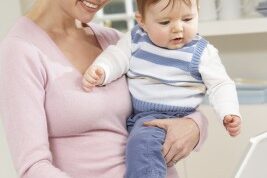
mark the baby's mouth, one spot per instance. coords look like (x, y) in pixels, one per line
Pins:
(179, 39)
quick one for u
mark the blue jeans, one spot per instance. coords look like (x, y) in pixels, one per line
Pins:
(144, 157)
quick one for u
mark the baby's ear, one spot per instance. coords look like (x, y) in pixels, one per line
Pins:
(140, 20)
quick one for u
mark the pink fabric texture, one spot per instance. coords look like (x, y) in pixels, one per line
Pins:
(54, 129)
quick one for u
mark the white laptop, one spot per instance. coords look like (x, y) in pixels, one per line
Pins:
(254, 164)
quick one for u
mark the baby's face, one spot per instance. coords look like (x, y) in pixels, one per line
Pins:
(173, 26)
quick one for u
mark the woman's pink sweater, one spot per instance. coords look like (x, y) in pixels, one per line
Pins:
(54, 129)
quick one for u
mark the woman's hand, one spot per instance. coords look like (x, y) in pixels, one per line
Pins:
(182, 135)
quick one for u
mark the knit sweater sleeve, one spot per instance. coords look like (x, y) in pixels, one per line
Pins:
(22, 98)
(221, 89)
(202, 123)
(115, 59)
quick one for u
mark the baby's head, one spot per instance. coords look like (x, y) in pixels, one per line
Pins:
(169, 23)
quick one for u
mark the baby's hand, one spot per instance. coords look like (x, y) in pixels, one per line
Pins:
(93, 76)
(232, 124)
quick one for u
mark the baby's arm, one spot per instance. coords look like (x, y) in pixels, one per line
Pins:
(111, 64)
(221, 89)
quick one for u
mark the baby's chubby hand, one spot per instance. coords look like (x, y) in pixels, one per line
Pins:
(232, 123)
(94, 76)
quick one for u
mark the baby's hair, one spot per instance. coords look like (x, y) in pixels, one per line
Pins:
(143, 4)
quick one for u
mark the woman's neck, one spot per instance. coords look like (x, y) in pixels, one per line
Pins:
(50, 17)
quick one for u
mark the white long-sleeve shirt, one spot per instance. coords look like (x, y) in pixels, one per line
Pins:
(170, 80)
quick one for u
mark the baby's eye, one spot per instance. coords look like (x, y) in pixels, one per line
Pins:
(188, 19)
(164, 22)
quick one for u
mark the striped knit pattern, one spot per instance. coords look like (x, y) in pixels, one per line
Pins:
(165, 80)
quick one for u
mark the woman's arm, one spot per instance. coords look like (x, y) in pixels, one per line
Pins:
(202, 123)
(22, 99)
(182, 135)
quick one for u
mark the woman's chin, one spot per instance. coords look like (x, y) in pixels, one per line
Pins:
(85, 20)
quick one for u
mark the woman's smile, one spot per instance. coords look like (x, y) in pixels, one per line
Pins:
(89, 6)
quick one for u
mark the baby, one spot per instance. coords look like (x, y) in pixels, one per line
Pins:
(169, 68)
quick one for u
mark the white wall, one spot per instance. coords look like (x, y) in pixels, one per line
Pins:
(244, 56)
(6, 166)
(221, 155)
(9, 11)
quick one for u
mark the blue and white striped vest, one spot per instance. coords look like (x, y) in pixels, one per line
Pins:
(165, 80)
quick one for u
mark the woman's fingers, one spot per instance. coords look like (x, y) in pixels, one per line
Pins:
(174, 154)
(179, 156)
(161, 123)
(181, 137)
(178, 149)
(166, 147)
(164, 124)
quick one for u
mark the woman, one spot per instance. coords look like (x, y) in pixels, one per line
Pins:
(55, 129)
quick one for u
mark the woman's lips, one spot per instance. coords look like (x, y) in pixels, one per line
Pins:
(89, 6)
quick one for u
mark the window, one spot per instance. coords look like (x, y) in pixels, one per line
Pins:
(117, 14)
